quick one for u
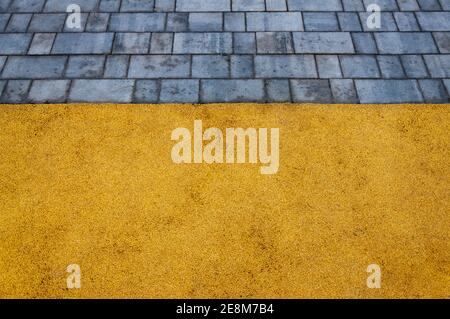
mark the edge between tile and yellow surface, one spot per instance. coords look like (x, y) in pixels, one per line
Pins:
(95, 185)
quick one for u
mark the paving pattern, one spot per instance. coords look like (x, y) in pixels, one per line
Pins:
(202, 51)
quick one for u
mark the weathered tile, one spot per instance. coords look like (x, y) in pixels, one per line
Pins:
(137, 22)
(311, 91)
(161, 43)
(390, 66)
(83, 43)
(274, 42)
(131, 43)
(328, 66)
(232, 91)
(159, 66)
(16, 91)
(114, 91)
(42, 43)
(359, 66)
(405, 43)
(274, 21)
(434, 91)
(343, 91)
(388, 91)
(323, 42)
(285, 66)
(203, 5)
(278, 91)
(48, 91)
(179, 91)
(210, 66)
(203, 43)
(241, 66)
(146, 91)
(14, 43)
(34, 67)
(116, 66)
(88, 66)
(205, 21)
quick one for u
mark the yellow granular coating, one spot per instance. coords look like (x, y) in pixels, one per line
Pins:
(95, 185)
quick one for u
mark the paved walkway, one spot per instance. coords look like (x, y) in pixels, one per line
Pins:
(224, 51)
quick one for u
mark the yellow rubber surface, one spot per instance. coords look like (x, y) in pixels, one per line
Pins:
(95, 185)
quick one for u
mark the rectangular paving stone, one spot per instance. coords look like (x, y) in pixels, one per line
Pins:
(48, 91)
(349, 21)
(408, 5)
(314, 5)
(241, 66)
(137, 22)
(443, 41)
(387, 22)
(353, 5)
(388, 91)
(203, 43)
(48, 22)
(34, 67)
(61, 5)
(4, 5)
(385, 5)
(165, 5)
(97, 22)
(177, 22)
(278, 91)
(205, 21)
(146, 91)
(274, 21)
(179, 91)
(343, 91)
(311, 91)
(16, 91)
(390, 66)
(323, 42)
(14, 43)
(109, 5)
(244, 43)
(161, 43)
(159, 66)
(137, 5)
(438, 65)
(328, 66)
(274, 42)
(203, 5)
(434, 91)
(285, 66)
(131, 43)
(234, 21)
(364, 43)
(276, 5)
(359, 66)
(210, 66)
(116, 66)
(83, 43)
(320, 21)
(414, 66)
(248, 5)
(114, 91)
(4, 18)
(429, 5)
(229, 91)
(405, 43)
(434, 21)
(406, 21)
(88, 66)
(26, 5)
(18, 23)
(42, 43)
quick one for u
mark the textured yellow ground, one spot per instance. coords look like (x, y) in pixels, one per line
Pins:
(95, 185)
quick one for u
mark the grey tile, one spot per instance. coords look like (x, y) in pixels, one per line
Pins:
(202, 43)
(159, 66)
(274, 21)
(137, 22)
(244, 43)
(161, 43)
(314, 5)
(390, 66)
(234, 21)
(434, 21)
(285, 66)
(414, 66)
(116, 66)
(49, 91)
(276, 5)
(26, 5)
(137, 5)
(320, 21)
(49, 22)
(248, 5)
(97, 22)
(343, 91)
(131, 43)
(278, 91)
(42, 43)
(323, 42)
(359, 66)
(146, 91)
(203, 5)
(164, 5)
(241, 66)
(406, 21)
(274, 42)
(210, 66)
(14, 43)
(177, 22)
(328, 66)
(408, 5)
(179, 91)
(16, 91)
(311, 91)
(349, 21)
(113, 91)
(18, 23)
(388, 91)
(232, 91)
(438, 65)
(34, 67)
(364, 43)
(205, 21)
(443, 41)
(434, 91)
(83, 43)
(88, 66)
(405, 43)
(109, 5)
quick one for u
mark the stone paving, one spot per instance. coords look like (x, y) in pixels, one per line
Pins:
(202, 51)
